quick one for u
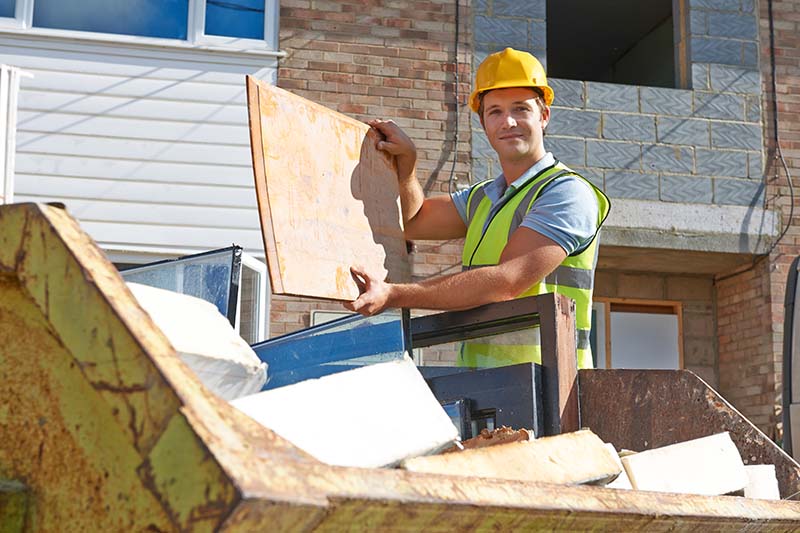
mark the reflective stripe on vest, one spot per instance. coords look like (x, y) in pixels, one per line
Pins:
(574, 277)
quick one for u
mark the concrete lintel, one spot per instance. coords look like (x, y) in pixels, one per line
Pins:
(699, 227)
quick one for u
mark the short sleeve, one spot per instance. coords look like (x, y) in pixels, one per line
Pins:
(566, 212)
(460, 198)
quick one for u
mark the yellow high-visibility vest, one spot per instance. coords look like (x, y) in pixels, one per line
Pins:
(574, 277)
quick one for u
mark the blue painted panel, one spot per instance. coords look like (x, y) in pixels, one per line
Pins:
(235, 18)
(337, 346)
(147, 18)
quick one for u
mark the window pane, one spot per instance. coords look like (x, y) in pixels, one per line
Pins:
(207, 276)
(7, 8)
(148, 18)
(235, 18)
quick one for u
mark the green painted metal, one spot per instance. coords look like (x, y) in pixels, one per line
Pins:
(13, 506)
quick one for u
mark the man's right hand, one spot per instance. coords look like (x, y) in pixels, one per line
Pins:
(395, 142)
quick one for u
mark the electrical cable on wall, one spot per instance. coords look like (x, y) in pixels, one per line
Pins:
(778, 152)
(452, 179)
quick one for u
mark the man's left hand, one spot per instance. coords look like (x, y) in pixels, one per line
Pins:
(374, 293)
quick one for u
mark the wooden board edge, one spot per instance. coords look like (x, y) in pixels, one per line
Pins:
(260, 179)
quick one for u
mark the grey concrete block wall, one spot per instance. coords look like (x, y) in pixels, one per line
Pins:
(698, 145)
(498, 24)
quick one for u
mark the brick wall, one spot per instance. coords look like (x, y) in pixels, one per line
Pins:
(395, 60)
(750, 304)
(749, 370)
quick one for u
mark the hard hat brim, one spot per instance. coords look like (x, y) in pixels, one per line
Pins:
(474, 98)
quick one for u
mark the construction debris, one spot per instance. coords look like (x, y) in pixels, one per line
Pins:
(709, 466)
(570, 458)
(205, 341)
(622, 481)
(486, 438)
(359, 417)
(762, 482)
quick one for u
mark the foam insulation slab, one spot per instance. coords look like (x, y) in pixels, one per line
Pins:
(371, 416)
(205, 341)
(709, 466)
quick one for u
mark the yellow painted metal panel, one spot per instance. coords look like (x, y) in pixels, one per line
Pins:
(191, 461)
(59, 436)
(65, 291)
(182, 472)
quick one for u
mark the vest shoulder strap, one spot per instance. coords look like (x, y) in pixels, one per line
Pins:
(472, 200)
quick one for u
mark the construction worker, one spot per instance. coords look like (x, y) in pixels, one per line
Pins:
(529, 231)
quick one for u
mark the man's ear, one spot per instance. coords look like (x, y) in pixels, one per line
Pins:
(480, 117)
(545, 117)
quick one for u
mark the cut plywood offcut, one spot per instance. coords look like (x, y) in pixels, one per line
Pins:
(569, 458)
(327, 198)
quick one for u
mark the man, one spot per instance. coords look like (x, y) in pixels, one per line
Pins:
(529, 231)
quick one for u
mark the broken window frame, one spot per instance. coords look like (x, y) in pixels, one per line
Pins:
(238, 262)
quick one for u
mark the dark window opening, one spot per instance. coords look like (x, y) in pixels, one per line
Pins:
(621, 41)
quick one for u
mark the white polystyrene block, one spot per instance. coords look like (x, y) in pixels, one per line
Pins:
(708, 465)
(762, 482)
(371, 416)
(205, 341)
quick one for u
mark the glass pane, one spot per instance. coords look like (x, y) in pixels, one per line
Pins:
(644, 340)
(7, 8)
(235, 18)
(207, 276)
(490, 351)
(332, 347)
(148, 18)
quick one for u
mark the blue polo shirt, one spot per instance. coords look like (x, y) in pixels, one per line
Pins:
(565, 212)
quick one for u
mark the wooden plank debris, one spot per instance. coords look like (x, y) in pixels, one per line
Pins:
(709, 465)
(486, 438)
(327, 198)
(570, 458)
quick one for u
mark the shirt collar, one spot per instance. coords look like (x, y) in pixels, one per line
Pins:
(497, 188)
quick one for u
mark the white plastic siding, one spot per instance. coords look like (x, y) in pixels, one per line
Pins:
(148, 147)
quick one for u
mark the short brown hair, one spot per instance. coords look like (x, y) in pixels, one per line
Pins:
(539, 101)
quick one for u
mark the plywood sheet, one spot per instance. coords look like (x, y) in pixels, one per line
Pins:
(327, 198)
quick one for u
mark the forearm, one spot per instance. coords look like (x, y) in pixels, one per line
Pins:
(411, 194)
(463, 290)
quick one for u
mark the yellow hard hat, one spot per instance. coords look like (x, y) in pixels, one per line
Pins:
(510, 68)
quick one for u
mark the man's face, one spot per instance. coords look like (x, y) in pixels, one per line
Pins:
(514, 124)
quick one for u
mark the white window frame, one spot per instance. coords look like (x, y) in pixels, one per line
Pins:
(195, 31)
(263, 304)
(9, 91)
(197, 25)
